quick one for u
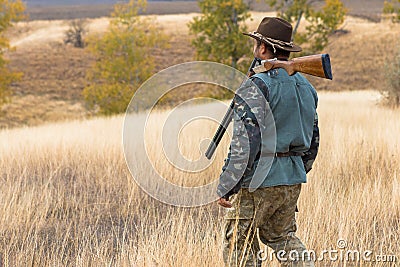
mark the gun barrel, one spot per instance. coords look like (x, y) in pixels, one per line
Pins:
(220, 132)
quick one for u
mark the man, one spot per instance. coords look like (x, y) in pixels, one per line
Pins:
(268, 211)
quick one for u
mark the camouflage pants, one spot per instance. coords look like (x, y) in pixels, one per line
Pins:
(270, 212)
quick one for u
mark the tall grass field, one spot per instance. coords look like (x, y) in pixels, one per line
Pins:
(67, 197)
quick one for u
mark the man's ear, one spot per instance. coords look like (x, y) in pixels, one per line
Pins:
(263, 49)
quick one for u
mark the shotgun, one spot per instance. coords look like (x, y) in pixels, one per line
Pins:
(315, 65)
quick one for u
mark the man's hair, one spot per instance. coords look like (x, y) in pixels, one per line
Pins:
(279, 53)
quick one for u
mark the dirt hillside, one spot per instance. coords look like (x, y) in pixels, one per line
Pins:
(54, 74)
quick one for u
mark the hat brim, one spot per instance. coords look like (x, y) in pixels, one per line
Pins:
(290, 48)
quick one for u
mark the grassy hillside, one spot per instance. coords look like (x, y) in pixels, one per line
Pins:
(54, 74)
(67, 198)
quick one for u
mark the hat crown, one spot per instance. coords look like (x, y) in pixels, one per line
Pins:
(275, 28)
(275, 32)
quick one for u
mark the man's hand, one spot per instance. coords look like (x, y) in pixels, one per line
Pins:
(224, 203)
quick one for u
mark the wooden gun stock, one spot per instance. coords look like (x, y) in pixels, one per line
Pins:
(316, 65)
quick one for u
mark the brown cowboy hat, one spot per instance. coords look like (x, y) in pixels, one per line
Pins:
(275, 32)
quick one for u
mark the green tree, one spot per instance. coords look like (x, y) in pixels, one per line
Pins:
(218, 32)
(124, 59)
(392, 8)
(320, 23)
(10, 11)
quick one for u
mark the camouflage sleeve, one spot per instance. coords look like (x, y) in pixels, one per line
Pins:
(246, 140)
(311, 154)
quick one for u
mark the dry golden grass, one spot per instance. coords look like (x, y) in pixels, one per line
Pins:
(67, 198)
